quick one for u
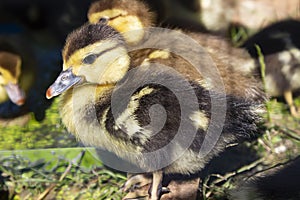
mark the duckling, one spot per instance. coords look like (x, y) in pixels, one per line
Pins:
(137, 16)
(10, 69)
(17, 75)
(96, 81)
(280, 46)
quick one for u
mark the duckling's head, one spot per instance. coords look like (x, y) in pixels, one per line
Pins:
(127, 17)
(93, 54)
(10, 71)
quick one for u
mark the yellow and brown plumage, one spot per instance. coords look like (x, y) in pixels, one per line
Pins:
(134, 24)
(109, 106)
(132, 18)
(123, 16)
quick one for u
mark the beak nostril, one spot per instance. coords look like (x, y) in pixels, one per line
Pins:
(63, 78)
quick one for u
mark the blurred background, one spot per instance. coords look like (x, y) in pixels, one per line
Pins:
(40, 160)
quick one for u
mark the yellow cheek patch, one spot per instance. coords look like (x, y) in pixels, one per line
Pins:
(126, 23)
(75, 60)
(110, 66)
(130, 27)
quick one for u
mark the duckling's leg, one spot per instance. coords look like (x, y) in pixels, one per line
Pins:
(143, 186)
(156, 187)
(288, 96)
(183, 189)
(135, 181)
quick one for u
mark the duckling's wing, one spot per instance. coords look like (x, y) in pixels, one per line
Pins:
(153, 104)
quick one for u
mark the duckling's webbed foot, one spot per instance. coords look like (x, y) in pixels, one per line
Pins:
(137, 186)
(295, 112)
(288, 95)
(136, 181)
(156, 189)
(143, 186)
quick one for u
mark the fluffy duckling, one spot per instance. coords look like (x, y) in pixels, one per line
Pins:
(133, 17)
(280, 46)
(136, 17)
(124, 16)
(10, 70)
(37, 61)
(17, 75)
(96, 81)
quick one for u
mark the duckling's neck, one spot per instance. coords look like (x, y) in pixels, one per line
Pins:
(77, 100)
(84, 111)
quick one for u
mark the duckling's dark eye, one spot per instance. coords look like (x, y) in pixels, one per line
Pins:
(90, 59)
(103, 20)
(0, 73)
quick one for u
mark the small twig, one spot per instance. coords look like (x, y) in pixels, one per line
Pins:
(52, 186)
(228, 176)
(261, 60)
(239, 171)
(260, 141)
(289, 132)
(273, 167)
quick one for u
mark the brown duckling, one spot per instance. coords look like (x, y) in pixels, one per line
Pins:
(280, 46)
(96, 81)
(136, 15)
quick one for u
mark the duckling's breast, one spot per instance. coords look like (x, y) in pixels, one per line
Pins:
(84, 111)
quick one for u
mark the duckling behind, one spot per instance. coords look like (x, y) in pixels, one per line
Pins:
(10, 70)
(18, 72)
(123, 16)
(134, 23)
(280, 46)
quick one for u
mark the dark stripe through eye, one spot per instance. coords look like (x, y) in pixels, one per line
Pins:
(90, 59)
